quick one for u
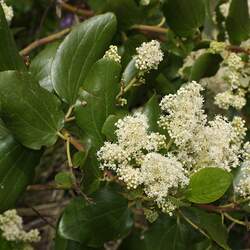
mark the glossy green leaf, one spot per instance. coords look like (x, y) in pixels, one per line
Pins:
(129, 73)
(65, 180)
(100, 90)
(152, 111)
(64, 244)
(17, 168)
(93, 224)
(31, 113)
(205, 66)
(135, 241)
(184, 17)
(210, 223)
(165, 233)
(109, 127)
(41, 66)
(238, 21)
(77, 53)
(127, 11)
(99, 96)
(208, 185)
(9, 56)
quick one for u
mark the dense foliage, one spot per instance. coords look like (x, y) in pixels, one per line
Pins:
(150, 99)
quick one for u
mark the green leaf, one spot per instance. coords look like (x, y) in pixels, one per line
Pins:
(152, 111)
(63, 244)
(31, 113)
(135, 241)
(127, 11)
(210, 223)
(41, 66)
(129, 73)
(65, 180)
(109, 127)
(238, 21)
(17, 168)
(77, 53)
(184, 17)
(205, 66)
(93, 224)
(9, 56)
(208, 185)
(165, 233)
(5, 245)
(100, 89)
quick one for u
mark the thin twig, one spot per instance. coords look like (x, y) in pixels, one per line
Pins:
(43, 218)
(237, 49)
(44, 187)
(75, 10)
(43, 41)
(155, 29)
(193, 224)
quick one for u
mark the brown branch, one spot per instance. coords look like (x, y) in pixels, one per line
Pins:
(219, 209)
(149, 28)
(237, 49)
(43, 41)
(73, 9)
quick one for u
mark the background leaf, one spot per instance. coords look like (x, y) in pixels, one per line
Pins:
(184, 17)
(108, 217)
(41, 66)
(9, 56)
(31, 113)
(206, 65)
(77, 53)
(238, 21)
(17, 168)
(210, 223)
(208, 185)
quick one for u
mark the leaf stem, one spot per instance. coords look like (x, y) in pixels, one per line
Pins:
(124, 90)
(68, 152)
(193, 224)
(234, 220)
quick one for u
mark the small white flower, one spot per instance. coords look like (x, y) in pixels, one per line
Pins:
(8, 11)
(226, 99)
(11, 226)
(162, 175)
(112, 54)
(148, 57)
(184, 111)
(224, 9)
(217, 47)
(234, 61)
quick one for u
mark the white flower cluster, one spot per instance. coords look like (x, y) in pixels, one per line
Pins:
(200, 143)
(145, 160)
(242, 188)
(217, 47)
(136, 160)
(232, 78)
(144, 2)
(148, 57)
(8, 11)
(227, 99)
(11, 226)
(112, 54)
